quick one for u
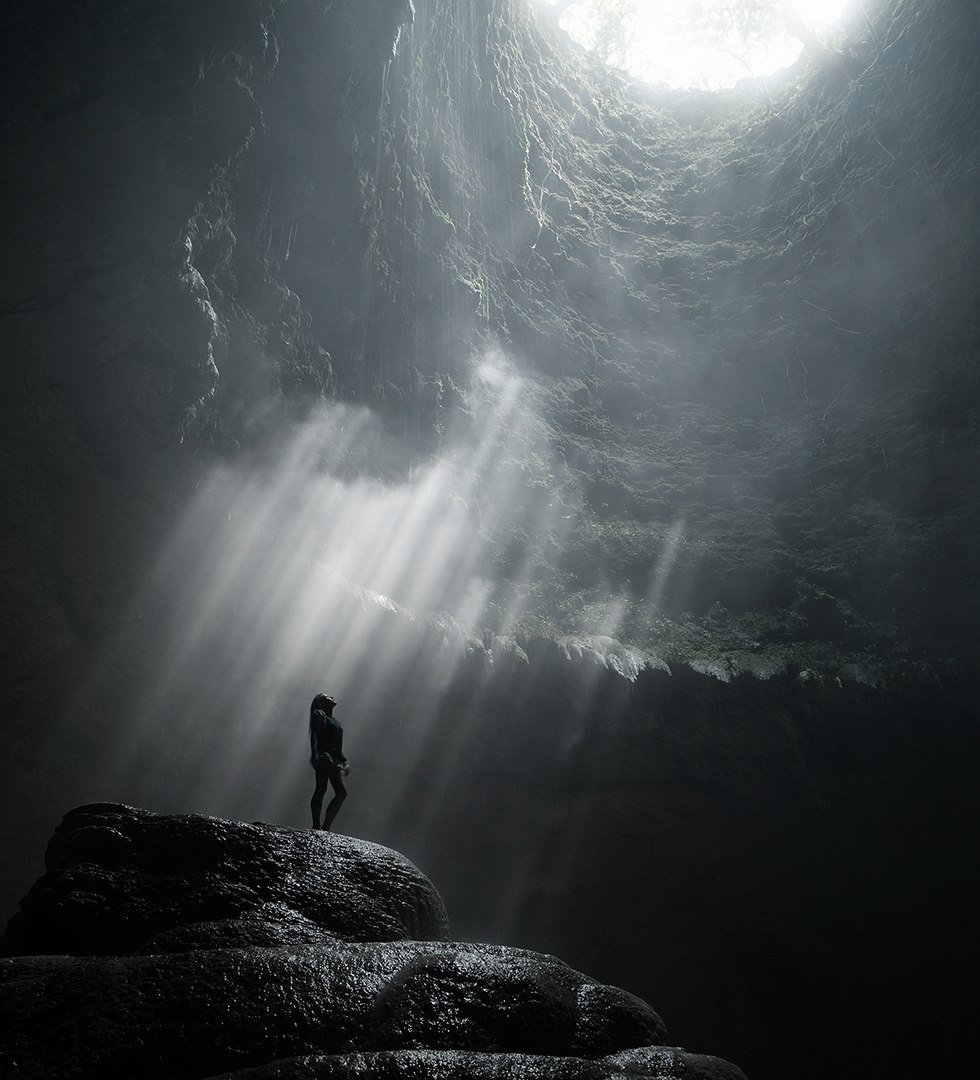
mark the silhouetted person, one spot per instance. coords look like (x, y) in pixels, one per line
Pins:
(327, 758)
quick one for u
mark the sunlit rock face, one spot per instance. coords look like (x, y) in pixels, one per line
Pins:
(745, 373)
(712, 301)
(168, 996)
(746, 378)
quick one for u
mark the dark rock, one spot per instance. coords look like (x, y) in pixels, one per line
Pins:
(120, 878)
(450, 1064)
(210, 1010)
(236, 934)
(252, 991)
(668, 1061)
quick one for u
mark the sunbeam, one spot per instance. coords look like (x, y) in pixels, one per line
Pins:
(284, 578)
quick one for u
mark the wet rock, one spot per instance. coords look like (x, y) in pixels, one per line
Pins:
(669, 1061)
(449, 1064)
(194, 1013)
(235, 934)
(311, 972)
(119, 877)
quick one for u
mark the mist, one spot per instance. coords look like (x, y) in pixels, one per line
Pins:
(297, 569)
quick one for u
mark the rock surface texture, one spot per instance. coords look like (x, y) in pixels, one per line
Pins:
(194, 951)
(121, 880)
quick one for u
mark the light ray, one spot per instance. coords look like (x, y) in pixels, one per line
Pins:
(284, 578)
(663, 570)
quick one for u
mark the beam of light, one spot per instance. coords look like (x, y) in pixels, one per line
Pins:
(283, 578)
(660, 577)
(286, 576)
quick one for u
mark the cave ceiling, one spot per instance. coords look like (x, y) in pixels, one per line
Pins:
(742, 323)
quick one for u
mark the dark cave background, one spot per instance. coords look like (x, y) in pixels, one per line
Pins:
(753, 312)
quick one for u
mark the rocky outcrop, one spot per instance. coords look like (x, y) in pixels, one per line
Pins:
(122, 880)
(217, 946)
(639, 1064)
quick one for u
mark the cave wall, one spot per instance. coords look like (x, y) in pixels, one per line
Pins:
(747, 317)
(790, 867)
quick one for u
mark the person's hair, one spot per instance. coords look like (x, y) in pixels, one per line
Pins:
(317, 719)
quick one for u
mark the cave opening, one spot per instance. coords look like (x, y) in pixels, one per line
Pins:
(702, 44)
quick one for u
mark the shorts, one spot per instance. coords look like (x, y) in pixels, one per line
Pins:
(329, 767)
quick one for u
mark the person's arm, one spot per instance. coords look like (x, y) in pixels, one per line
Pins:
(316, 737)
(338, 746)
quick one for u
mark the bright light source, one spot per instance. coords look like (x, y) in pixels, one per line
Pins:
(819, 14)
(685, 43)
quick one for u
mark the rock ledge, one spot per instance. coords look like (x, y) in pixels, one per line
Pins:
(187, 947)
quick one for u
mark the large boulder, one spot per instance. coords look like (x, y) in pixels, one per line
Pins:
(650, 1061)
(219, 947)
(121, 879)
(211, 1010)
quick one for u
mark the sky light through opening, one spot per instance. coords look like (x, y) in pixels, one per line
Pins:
(660, 46)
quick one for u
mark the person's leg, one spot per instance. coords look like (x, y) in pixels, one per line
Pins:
(340, 793)
(316, 803)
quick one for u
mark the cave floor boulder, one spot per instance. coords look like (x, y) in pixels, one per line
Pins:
(201, 947)
(121, 879)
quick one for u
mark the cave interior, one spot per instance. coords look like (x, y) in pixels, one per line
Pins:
(608, 451)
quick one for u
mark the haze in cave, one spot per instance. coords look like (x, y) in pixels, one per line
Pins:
(607, 450)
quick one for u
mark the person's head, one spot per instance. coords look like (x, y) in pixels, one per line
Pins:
(322, 703)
